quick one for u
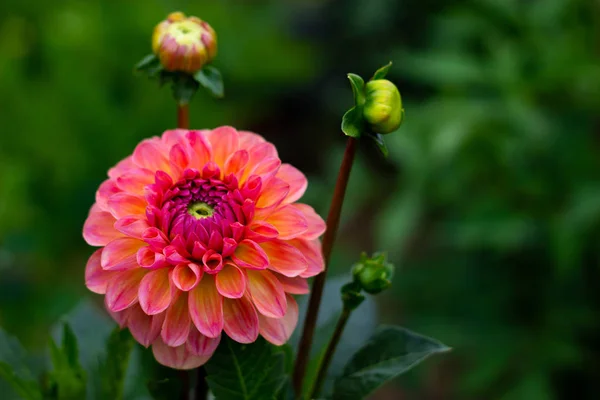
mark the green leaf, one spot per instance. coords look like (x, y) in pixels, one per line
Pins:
(212, 80)
(14, 370)
(184, 87)
(114, 367)
(358, 88)
(353, 123)
(67, 380)
(246, 371)
(380, 143)
(26, 388)
(390, 352)
(150, 65)
(382, 72)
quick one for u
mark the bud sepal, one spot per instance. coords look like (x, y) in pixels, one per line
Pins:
(373, 274)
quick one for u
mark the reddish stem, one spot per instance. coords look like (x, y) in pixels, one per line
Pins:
(183, 116)
(333, 220)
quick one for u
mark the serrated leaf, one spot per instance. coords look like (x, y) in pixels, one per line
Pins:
(184, 87)
(113, 368)
(246, 371)
(391, 351)
(211, 79)
(380, 143)
(358, 89)
(67, 380)
(382, 72)
(353, 123)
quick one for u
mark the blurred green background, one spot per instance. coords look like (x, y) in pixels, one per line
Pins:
(489, 203)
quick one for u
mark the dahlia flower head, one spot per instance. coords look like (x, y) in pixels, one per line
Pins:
(199, 233)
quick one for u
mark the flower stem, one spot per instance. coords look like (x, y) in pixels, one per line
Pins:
(333, 220)
(331, 346)
(183, 116)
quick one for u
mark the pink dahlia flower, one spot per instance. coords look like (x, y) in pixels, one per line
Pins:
(200, 233)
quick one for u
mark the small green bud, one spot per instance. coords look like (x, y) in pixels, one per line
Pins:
(383, 106)
(374, 274)
(351, 295)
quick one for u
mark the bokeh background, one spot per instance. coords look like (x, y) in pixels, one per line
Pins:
(489, 203)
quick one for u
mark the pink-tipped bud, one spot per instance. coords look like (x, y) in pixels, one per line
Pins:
(183, 43)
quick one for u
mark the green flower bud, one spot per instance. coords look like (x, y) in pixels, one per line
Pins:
(383, 106)
(373, 274)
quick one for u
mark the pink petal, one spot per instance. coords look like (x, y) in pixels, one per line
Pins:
(296, 179)
(231, 282)
(284, 258)
(206, 307)
(144, 328)
(201, 150)
(224, 141)
(106, 189)
(132, 226)
(96, 278)
(236, 163)
(212, 261)
(99, 229)
(296, 285)
(201, 345)
(241, 320)
(155, 291)
(311, 249)
(273, 193)
(267, 293)
(150, 154)
(120, 254)
(122, 289)
(123, 205)
(249, 139)
(316, 225)
(265, 169)
(120, 317)
(288, 221)
(122, 166)
(176, 327)
(176, 357)
(250, 255)
(279, 330)
(178, 161)
(186, 276)
(135, 180)
(259, 231)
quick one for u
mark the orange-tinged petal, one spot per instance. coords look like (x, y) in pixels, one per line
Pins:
(296, 179)
(284, 258)
(176, 357)
(132, 226)
(241, 320)
(295, 285)
(155, 291)
(279, 330)
(249, 139)
(259, 231)
(267, 293)
(316, 224)
(122, 289)
(288, 221)
(135, 180)
(151, 154)
(120, 254)
(201, 345)
(144, 328)
(123, 205)
(201, 150)
(96, 278)
(176, 327)
(231, 281)
(250, 255)
(99, 228)
(236, 163)
(311, 249)
(186, 276)
(206, 307)
(273, 193)
(106, 189)
(224, 141)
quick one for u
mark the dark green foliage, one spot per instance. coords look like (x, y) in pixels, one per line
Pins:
(14, 370)
(114, 366)
(246, 372)
(67, 379)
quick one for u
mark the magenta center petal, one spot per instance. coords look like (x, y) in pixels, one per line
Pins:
(202, 215)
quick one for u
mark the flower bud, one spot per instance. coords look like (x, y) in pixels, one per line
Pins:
(373, 274)
(383, 106)
(183, 43)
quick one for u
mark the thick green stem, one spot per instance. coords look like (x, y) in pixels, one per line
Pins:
(331, 346)
(333, 220)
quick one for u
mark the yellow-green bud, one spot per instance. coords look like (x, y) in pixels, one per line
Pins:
(183, 43)
(373, 274)
(383, 106)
